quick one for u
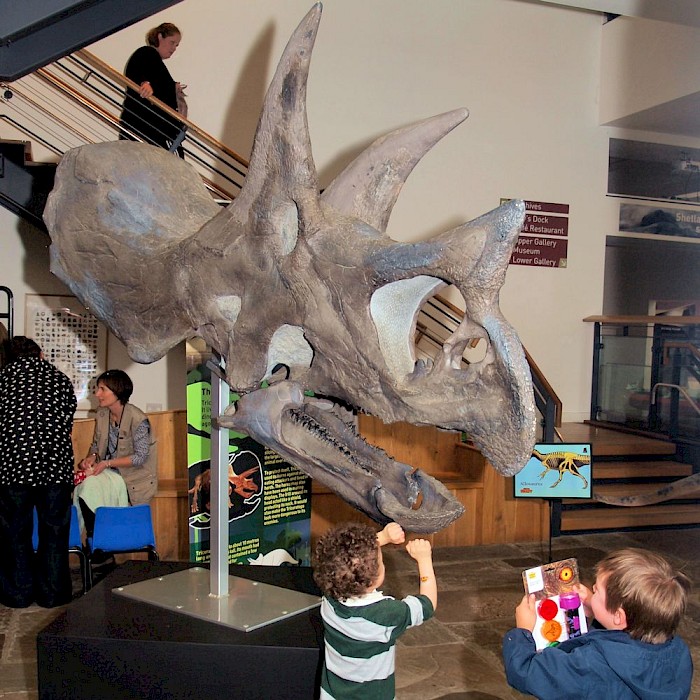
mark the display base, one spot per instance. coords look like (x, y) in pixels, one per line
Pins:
(248, 606)
(113, 646)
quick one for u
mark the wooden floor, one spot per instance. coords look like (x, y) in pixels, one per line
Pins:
(610, 443)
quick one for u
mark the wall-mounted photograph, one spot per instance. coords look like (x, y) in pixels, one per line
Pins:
(642, 170)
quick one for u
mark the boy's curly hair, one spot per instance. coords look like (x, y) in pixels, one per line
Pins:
(346, 560)
(645, 585)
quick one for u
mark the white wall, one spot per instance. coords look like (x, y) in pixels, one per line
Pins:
(528, 73)
(647, 63)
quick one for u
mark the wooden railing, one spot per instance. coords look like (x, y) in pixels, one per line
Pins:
(78, 100)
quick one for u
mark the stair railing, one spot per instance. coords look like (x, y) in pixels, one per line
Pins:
(691, 401)
(62, 121)
(79, 99)
(438, 319)
(200, 146)
(547, 402)
(21, 128)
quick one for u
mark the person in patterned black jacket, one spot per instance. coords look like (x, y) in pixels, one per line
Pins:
(37, 403)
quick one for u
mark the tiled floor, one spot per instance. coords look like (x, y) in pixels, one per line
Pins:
(456, 655)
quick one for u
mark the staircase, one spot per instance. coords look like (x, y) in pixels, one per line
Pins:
(78, 100)
(625, 464)
(24, 184)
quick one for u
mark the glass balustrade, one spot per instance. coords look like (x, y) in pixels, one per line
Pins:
(647, 377)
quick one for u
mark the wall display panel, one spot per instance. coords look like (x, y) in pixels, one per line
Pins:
(661, 221)
(269, 500)
(70, 337)
(642, 170)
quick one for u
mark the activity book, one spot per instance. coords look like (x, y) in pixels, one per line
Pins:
(560, 613)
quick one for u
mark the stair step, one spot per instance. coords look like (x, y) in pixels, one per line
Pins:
(19, 151)
(618, 490)
(613, 518)
(639, 469)
(614, 443)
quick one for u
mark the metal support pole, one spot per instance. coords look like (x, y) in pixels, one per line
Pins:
(219, 484)
(597, 347)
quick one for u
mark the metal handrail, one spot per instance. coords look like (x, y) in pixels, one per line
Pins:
(60, 119)
(694, 405)
(28, 132)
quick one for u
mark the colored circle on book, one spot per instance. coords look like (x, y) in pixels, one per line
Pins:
(569, 601)
(566, 574)
(547, 609)
(551, 630)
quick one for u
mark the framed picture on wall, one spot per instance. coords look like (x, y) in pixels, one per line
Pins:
(70, 337)
(654, 171)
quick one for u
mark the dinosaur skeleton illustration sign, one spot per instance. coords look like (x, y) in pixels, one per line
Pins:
(289, 276)
(557, 470)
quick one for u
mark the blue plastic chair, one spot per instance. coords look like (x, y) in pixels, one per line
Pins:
(35, 531)
(122, 529)
(75, 546)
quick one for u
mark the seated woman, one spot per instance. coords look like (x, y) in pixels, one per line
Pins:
(121, 468)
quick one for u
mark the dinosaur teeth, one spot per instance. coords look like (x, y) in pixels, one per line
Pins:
(305, 420)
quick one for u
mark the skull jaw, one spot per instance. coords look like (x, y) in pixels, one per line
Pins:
(310, 434)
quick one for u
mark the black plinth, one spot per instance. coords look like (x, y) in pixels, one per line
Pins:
(108, 646)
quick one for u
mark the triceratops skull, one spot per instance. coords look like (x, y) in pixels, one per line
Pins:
(288, 276)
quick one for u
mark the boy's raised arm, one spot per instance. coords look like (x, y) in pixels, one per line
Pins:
(392, 533)
(421, 551)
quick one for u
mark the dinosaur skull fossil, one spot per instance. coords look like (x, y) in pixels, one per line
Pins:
(287, 276)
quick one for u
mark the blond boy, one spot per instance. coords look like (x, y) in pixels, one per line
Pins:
(638, 601)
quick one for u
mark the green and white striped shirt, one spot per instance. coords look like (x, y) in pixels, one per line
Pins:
(360, 637)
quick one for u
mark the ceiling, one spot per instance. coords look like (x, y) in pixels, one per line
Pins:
(38, 32)
(681, 116)
(685, 12)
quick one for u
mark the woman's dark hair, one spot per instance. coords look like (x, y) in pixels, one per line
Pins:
(165, 29)
(21, 346)
(119, 382)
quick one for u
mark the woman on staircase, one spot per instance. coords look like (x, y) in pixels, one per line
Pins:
(141, 119)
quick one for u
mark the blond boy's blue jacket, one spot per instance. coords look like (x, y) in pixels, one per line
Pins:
(600, 664)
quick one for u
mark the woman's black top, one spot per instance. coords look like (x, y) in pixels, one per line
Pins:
(138, 115)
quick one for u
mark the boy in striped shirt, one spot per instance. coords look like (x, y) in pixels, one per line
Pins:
(361, 624)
